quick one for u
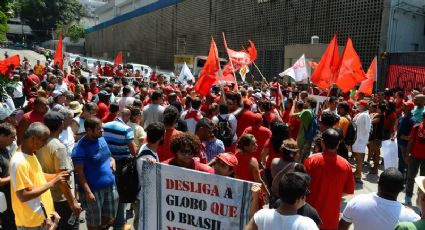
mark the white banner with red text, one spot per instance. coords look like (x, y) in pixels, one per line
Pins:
(175, 198)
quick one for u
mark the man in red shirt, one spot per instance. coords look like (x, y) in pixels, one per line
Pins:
(261, 134)
(171, 116)
(416, 157)
(103, 105)
(32, 82)
(245, 118)
(35, 115)
(331, 178)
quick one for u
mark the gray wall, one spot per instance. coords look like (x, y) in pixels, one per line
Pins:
(152, 38)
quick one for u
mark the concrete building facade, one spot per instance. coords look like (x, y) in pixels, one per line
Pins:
(153, 31)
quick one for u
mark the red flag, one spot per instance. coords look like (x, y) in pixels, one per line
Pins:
(59, 53)
(208, 74)
(324, 75)
(227, 74)
(5, 63)
(118, 59)
(350, 71)
(252, 51)
(367, 85)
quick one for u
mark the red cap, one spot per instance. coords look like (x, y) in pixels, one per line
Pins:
(409, 104)
(247, 102)
(228, 158)
(362, 102)
(258, 117)
(168, 88)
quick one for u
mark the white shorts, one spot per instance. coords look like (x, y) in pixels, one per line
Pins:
(359, 147)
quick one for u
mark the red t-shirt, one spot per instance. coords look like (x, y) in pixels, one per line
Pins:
(331, 177)
(34, 117)
(261, 134)
(243, 171)
(194, 166)
(271, 117)
(164, 151)
(245, 119)
(109, 117)
(102, 110)
(388, 120)
(285, 116)
(94, 90)
(417, 135)
(294, 125)
(271, 155)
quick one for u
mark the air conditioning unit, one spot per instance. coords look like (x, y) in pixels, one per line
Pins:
(314, 39)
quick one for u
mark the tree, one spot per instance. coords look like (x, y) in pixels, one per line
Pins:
(75, 32)
(43, 16)
(6, 9)
(3, 26)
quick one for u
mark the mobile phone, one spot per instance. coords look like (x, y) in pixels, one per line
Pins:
(44, 210)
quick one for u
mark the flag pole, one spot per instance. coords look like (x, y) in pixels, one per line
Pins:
(220, 71)
(264, 79)
(231, 63)
(258, 69)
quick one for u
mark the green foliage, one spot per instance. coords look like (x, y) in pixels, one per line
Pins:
(74, 31)
(3, 26)
(44, 15)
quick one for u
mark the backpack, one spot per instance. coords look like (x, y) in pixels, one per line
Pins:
(268, 124)
(127, 179)
(224, 131)
(311, 132)
(351, 135)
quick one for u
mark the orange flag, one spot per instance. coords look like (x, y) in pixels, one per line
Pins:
(366, 86)
(350, 71)
(208, 74)
(59, 53)
(118, 59)
(324, 75)
(5, 63)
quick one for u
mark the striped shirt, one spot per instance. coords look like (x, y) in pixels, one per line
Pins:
(117, 134)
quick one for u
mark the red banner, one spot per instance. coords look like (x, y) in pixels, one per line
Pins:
(406, 77)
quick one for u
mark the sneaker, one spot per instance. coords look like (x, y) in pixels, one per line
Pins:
(408, 200)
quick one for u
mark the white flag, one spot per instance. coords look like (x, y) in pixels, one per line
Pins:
(243, 71)
(185, 74)
(298, 71)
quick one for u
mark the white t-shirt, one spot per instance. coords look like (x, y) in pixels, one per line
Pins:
(124, 101)
(369, 211)
(61, 87)
(67, 138)
(191, 123)
(270, 219)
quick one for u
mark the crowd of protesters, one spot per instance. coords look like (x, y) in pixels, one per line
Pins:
(64, 135)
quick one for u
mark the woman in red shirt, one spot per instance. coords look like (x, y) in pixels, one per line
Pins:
(185, 147)
(294, 123)
(248, 167)
(224, 164)
(271, 148)
(287, 111)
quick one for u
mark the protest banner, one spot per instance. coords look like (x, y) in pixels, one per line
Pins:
(177, 198)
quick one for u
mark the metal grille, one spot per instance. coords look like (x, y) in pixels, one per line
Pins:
(152, 38)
